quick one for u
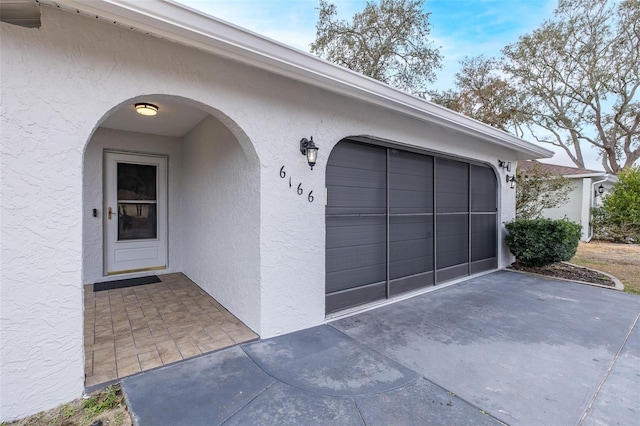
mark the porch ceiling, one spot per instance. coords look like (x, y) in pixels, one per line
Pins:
(174, 118)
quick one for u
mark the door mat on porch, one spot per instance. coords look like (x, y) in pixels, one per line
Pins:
(129, 282)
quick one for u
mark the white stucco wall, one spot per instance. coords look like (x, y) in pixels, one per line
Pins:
(61, 80)
(578, 208)
(573, 208)
(221, 219)
(92, 197)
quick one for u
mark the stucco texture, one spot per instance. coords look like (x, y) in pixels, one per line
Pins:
(236, 227)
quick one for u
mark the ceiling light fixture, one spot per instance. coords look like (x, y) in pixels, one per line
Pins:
(146, 109)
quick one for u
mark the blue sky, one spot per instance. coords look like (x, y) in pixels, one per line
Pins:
(459, 27)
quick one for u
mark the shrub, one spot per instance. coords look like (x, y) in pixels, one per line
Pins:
(619, 217)
(539, 242)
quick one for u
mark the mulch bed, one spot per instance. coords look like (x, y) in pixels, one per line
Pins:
(568, 272)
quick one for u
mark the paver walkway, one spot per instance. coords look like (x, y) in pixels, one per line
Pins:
(135, 329)
(503, 348)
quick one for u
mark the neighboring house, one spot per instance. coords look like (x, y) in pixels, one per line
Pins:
(587, 189)
(215, 184)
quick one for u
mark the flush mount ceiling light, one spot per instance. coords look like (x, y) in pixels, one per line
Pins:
(146, 109)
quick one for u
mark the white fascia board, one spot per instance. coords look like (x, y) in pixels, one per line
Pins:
(586, 175)
(172, 21)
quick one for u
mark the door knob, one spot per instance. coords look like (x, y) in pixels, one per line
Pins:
(110, 212)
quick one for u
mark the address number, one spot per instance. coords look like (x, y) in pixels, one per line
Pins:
(299, 189)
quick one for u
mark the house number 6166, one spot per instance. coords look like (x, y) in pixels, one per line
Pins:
(299, 189)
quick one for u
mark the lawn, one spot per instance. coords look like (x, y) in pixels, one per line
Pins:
(620, 260)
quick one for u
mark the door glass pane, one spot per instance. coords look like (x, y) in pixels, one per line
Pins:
(136, 182)
(137, 221)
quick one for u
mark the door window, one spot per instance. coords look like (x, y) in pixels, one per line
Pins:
(137, 201)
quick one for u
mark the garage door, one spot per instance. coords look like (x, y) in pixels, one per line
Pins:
(398, 221)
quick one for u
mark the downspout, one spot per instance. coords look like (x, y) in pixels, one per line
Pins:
(593, 203)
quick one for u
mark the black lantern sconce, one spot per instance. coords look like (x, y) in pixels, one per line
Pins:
(505, 165)
(599, 191)
(511, 180)
(310, 150)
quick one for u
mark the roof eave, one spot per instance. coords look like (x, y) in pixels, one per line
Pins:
(178, 23)
(585, 175)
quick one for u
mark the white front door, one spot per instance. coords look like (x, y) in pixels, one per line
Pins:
(135, 219)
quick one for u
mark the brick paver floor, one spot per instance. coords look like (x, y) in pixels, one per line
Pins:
(134, 329)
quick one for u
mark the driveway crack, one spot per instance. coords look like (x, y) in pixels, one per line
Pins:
(608, 372)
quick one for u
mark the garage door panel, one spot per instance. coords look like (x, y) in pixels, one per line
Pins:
(410, 227)
(410, 182)
(452, 186)
(404, 201)
(349, 177)
(483, 231)
(355, 231)
(448, 274)
(356, 277)
(452, 241)
(343, 258)
(338, 301)
(452, 202)
(405, 268)
(413, 282)
(358, 156)
(411, 163)
(484, 195)
(356, 200)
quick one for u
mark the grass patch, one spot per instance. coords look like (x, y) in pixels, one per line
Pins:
(107, 406)
(620, 260)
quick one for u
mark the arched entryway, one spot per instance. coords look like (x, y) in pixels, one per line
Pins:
(173, 195)
(400, 220)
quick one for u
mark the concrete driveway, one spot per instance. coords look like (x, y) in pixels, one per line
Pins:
(502, 348)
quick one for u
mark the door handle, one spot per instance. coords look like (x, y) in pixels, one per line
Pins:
(110, 212)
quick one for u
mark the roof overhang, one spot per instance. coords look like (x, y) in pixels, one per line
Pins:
(586, 175)
(172, 21)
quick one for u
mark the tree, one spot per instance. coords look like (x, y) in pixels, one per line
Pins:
(538, 190)
(580, 74)
(620, 211)
(386, 41)
(484, 94)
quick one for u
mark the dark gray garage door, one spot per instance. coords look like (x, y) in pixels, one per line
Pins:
(398, 221)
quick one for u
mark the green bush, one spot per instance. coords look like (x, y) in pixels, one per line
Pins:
(539, 242)
(619, 217)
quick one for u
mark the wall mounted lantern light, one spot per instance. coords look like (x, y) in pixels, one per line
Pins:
(505, 165)
(310, 150)
(599, 191)
(511, 180)
(146, 109)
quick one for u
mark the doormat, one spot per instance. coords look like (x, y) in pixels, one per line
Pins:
(129, 282)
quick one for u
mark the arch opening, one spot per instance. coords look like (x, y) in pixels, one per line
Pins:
(175, 195)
